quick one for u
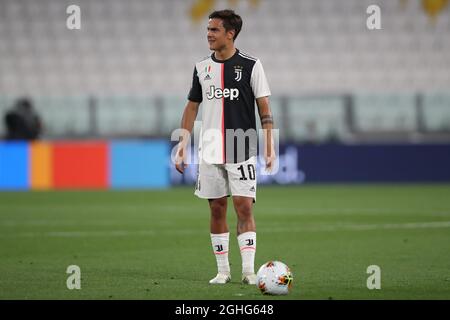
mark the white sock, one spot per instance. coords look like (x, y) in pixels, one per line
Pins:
(247, 244)
(219, 243)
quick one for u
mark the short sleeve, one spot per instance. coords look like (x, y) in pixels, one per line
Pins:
(195, 94)
(258, 81)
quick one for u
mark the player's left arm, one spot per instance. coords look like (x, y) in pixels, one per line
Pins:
(265, 115)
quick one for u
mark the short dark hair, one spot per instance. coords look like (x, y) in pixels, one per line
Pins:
(230, 20)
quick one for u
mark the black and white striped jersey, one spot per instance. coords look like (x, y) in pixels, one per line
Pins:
(227, 90)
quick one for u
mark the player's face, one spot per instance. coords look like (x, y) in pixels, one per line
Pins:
(218, 37)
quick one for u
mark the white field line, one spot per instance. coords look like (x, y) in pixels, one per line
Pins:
(300, 229)
(55, 222)
(22, 222)
(363, 227)
(352, 211)
(288, 210)
(166, 207)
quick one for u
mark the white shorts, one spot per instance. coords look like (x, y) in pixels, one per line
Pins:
(220, 180)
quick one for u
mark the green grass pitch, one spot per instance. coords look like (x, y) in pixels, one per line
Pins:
(156, 245)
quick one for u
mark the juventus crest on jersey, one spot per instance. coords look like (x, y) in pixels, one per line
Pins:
(227, 90)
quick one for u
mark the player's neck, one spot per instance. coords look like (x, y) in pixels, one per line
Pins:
(225, 53)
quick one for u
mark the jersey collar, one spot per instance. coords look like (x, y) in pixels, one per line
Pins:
(213, 57)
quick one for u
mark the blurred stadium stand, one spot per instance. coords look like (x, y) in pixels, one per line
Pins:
(127, 72)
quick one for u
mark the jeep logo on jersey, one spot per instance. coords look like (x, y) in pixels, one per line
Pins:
(218, 93)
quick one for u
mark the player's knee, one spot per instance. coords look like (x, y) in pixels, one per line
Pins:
(218, 208)
(244, 210)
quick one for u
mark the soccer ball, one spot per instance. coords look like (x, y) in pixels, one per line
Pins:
(274, 278)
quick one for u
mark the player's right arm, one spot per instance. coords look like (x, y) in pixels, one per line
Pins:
(187, 124)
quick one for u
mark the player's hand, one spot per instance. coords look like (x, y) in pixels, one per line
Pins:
(269, 155)
(180, 160)
(270, 161)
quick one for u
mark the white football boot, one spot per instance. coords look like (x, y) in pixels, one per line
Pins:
(221, 278)
(249, 279)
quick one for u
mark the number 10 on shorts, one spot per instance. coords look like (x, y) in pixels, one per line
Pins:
(251, 172)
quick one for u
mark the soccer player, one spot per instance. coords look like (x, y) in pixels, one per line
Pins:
(227, 83)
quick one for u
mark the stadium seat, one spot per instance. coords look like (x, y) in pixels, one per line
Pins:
(149, 48)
